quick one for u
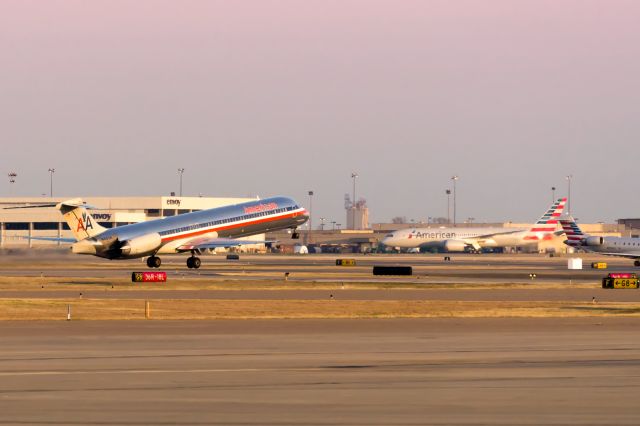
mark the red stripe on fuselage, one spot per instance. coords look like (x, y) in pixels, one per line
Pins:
(232, 226)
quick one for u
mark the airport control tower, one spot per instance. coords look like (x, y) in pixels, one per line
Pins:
(357, 213)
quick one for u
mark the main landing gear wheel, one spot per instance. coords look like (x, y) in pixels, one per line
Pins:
(193, 262)
(636, 263)
(154, 262)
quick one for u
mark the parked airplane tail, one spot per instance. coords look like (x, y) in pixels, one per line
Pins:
(81, 223)
(574, 234)
(546, 225)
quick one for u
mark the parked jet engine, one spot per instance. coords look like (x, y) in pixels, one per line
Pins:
(454, 245)
(594, 241)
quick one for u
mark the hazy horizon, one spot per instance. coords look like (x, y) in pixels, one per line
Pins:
(282, 97)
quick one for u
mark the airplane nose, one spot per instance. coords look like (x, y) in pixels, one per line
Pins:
(303, 216)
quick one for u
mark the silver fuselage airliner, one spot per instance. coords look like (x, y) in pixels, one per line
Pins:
(189, 232)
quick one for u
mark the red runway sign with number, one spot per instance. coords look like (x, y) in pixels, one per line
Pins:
(149, 277)
(626, 275)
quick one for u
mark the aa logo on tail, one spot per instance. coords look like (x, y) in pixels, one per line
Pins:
(84, 222)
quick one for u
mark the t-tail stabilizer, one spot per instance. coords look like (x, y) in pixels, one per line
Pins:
(80, 221)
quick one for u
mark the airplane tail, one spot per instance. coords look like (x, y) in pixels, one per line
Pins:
(574, 234)
(82, 224)
(545, 226)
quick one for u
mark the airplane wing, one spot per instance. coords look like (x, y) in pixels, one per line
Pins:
(486, 236)
(625, 255)
(55, 239)
(210, 243)
(477, 241)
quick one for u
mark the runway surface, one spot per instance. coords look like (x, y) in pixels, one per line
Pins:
(463, 268)
(321, 372)
(434, 279)
(441, 371)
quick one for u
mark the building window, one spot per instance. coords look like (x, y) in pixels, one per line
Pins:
(45, 226)
(183, 211)
(16, 226)
(168, 212)
(65, 226)
(152, 212)
(106, 224)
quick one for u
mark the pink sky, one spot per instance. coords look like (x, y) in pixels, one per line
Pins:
(510, 95)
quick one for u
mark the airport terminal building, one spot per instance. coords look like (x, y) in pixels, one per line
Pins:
(16, 224)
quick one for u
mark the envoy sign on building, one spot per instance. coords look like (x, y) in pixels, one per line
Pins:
(16, 224)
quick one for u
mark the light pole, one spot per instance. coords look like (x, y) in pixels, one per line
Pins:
(12, 180)
(322, 223)
(310, 213)
(448, 192)
(333, 225)
(569, 177)
(181, 172)
(51, 172)
(553, 194)
(354, 176)
(454, 178)
(310, 210)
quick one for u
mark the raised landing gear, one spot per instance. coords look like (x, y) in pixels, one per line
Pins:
(295, 235)
(154, 262)
(636, 263)
(193, 262)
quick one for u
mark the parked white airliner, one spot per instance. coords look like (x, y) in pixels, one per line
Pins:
(460, 239)
(608, 246)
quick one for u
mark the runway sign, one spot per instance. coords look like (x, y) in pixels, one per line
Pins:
(620, 281)
(392, 270)
(148, 277)
(622, 275)
(345, 262)
(599, 265)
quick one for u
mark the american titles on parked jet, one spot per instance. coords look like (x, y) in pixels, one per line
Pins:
(465, 238)
(185, 233)
(608, 246)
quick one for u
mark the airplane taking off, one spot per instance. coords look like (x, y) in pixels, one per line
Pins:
(461, 239)
(188, 232)
(608, 246)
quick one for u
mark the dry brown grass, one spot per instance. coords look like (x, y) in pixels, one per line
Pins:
(231, 283)
(109, 309)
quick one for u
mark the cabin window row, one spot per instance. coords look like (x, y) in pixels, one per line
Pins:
(227, 220)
